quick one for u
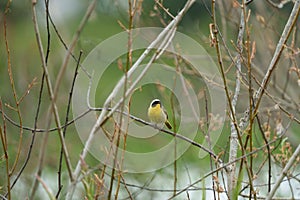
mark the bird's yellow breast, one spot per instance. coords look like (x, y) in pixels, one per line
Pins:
(156, 114)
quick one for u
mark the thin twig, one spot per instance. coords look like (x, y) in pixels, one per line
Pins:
(268, 151)
(40, 165)
(12, 84)
(220, 61)
(231, 184)
(50, 195)
(250, 99)
(33, 82)
(65, 127)
(208, 139)
(4, 147)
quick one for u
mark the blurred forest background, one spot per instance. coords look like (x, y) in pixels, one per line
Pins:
(31, 161)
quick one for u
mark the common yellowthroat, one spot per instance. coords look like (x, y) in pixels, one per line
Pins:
(157, 114)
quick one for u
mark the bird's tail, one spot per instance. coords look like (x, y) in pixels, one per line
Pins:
(168, 124)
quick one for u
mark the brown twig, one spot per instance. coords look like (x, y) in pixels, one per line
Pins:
(17, 109)
(268, 153)
(250, 94)
(5, 151)
(208, 139)
(50, 195)
(33, 82)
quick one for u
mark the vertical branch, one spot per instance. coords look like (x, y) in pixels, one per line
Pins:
(174, 128)
(12, 84)
(47, 189)
(48, 30)
(50, 90)
(4, 147)
(175, 146)
(132, 10)
(233, 136)
(250, 94)
(3, 136)
(172, 98)
(232, 113)
(215, 40)
(66, 121)
(207, 137)
(40, 160)
(269, 155)
(115, 156)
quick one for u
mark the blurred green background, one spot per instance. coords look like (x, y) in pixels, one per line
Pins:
(105, 22)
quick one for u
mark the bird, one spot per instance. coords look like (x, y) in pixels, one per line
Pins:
(157, 114)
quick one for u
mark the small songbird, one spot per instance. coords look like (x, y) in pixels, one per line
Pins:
(157, 114)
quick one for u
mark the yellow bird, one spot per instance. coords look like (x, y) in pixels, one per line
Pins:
(157, 114)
